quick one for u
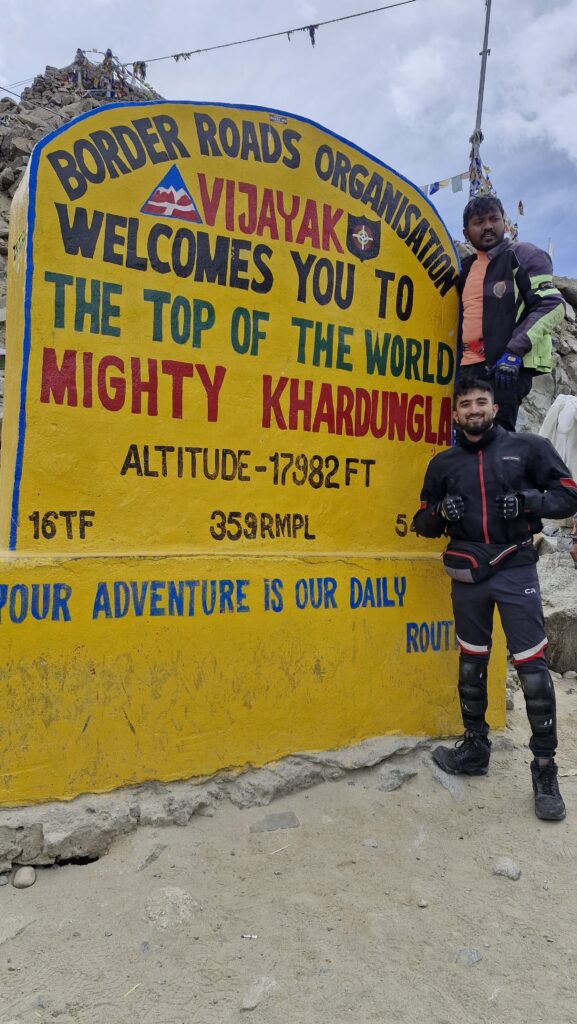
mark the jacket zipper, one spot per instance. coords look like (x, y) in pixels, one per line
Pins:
(483, 498)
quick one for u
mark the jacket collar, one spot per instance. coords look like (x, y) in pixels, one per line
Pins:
(467, 261)
(498, 249)
(485, 439)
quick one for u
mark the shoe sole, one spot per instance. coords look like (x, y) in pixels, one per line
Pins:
(463, 771)
(551, 817)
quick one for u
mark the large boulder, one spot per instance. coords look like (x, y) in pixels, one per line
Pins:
(537, 404)
(568, 288)
(558, 578)
(16, 145)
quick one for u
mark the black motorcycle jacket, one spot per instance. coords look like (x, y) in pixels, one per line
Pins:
(500, 462)
(521, 305)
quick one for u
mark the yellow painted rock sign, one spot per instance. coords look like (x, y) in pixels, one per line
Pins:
(230, 352)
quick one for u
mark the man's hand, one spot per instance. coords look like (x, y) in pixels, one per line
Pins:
(452, 507)
(506, 370)
(509, 506)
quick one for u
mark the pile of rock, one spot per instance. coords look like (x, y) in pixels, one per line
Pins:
(53, 99)
(104, 81)
(563, 380)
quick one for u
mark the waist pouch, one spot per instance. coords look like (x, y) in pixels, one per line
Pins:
(468, 562)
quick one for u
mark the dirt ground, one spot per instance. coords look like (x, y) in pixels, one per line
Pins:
(364, 912)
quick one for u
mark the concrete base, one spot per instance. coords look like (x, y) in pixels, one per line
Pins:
(85, 828)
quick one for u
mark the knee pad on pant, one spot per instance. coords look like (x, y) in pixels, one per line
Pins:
(473, 692)
(540, 703)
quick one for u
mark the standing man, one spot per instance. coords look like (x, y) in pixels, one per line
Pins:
(509, 308)
(488, 494)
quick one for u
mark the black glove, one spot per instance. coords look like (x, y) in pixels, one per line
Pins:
(509, 506)
(506, 370)
(452, 507)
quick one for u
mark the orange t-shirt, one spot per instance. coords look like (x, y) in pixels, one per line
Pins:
(473, 350)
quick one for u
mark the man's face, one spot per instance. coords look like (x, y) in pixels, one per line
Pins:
(485, 230)
(474, 412)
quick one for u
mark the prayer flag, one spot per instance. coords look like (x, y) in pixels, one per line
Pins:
(434, 188)
(457, 183)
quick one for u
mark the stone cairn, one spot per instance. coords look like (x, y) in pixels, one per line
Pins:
(53, 99)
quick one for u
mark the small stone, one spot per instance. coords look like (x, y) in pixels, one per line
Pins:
(4, 879)
(423, 903)
(24, 878)
(454, 785)
(391, 779)
(274, 822)
(371, 843)
(260, 989)
(152, 856)
(171, 907)
(468, 957)
(507, 867)
(502, 742)
(571, 674)
(510, 701)
(548, 545)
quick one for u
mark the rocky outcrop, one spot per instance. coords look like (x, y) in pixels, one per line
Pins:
(558, 579)
(53, 99)
(563, 380)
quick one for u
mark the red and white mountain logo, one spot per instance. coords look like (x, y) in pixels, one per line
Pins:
(171, 198)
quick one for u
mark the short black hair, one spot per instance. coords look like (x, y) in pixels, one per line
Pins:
(470, 384)
(480, 205)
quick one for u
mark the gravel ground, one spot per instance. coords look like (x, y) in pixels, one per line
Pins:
(374, 906)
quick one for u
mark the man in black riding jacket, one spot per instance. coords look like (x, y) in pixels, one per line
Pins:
(509, 307)
(488, 494)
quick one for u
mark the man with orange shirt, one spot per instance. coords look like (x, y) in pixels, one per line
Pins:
(509, 308)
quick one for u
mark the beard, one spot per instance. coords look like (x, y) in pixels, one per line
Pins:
(477, 427)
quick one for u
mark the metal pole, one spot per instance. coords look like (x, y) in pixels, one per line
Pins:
(484, 54)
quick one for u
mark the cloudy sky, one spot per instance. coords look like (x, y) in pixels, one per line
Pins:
(401, 83)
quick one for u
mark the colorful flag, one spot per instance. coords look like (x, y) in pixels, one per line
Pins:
(457, 183)
(434, 188)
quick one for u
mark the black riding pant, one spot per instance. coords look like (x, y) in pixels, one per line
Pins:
(515, 592)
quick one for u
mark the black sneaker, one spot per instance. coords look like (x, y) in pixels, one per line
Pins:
(549, 803)
(469, 756)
